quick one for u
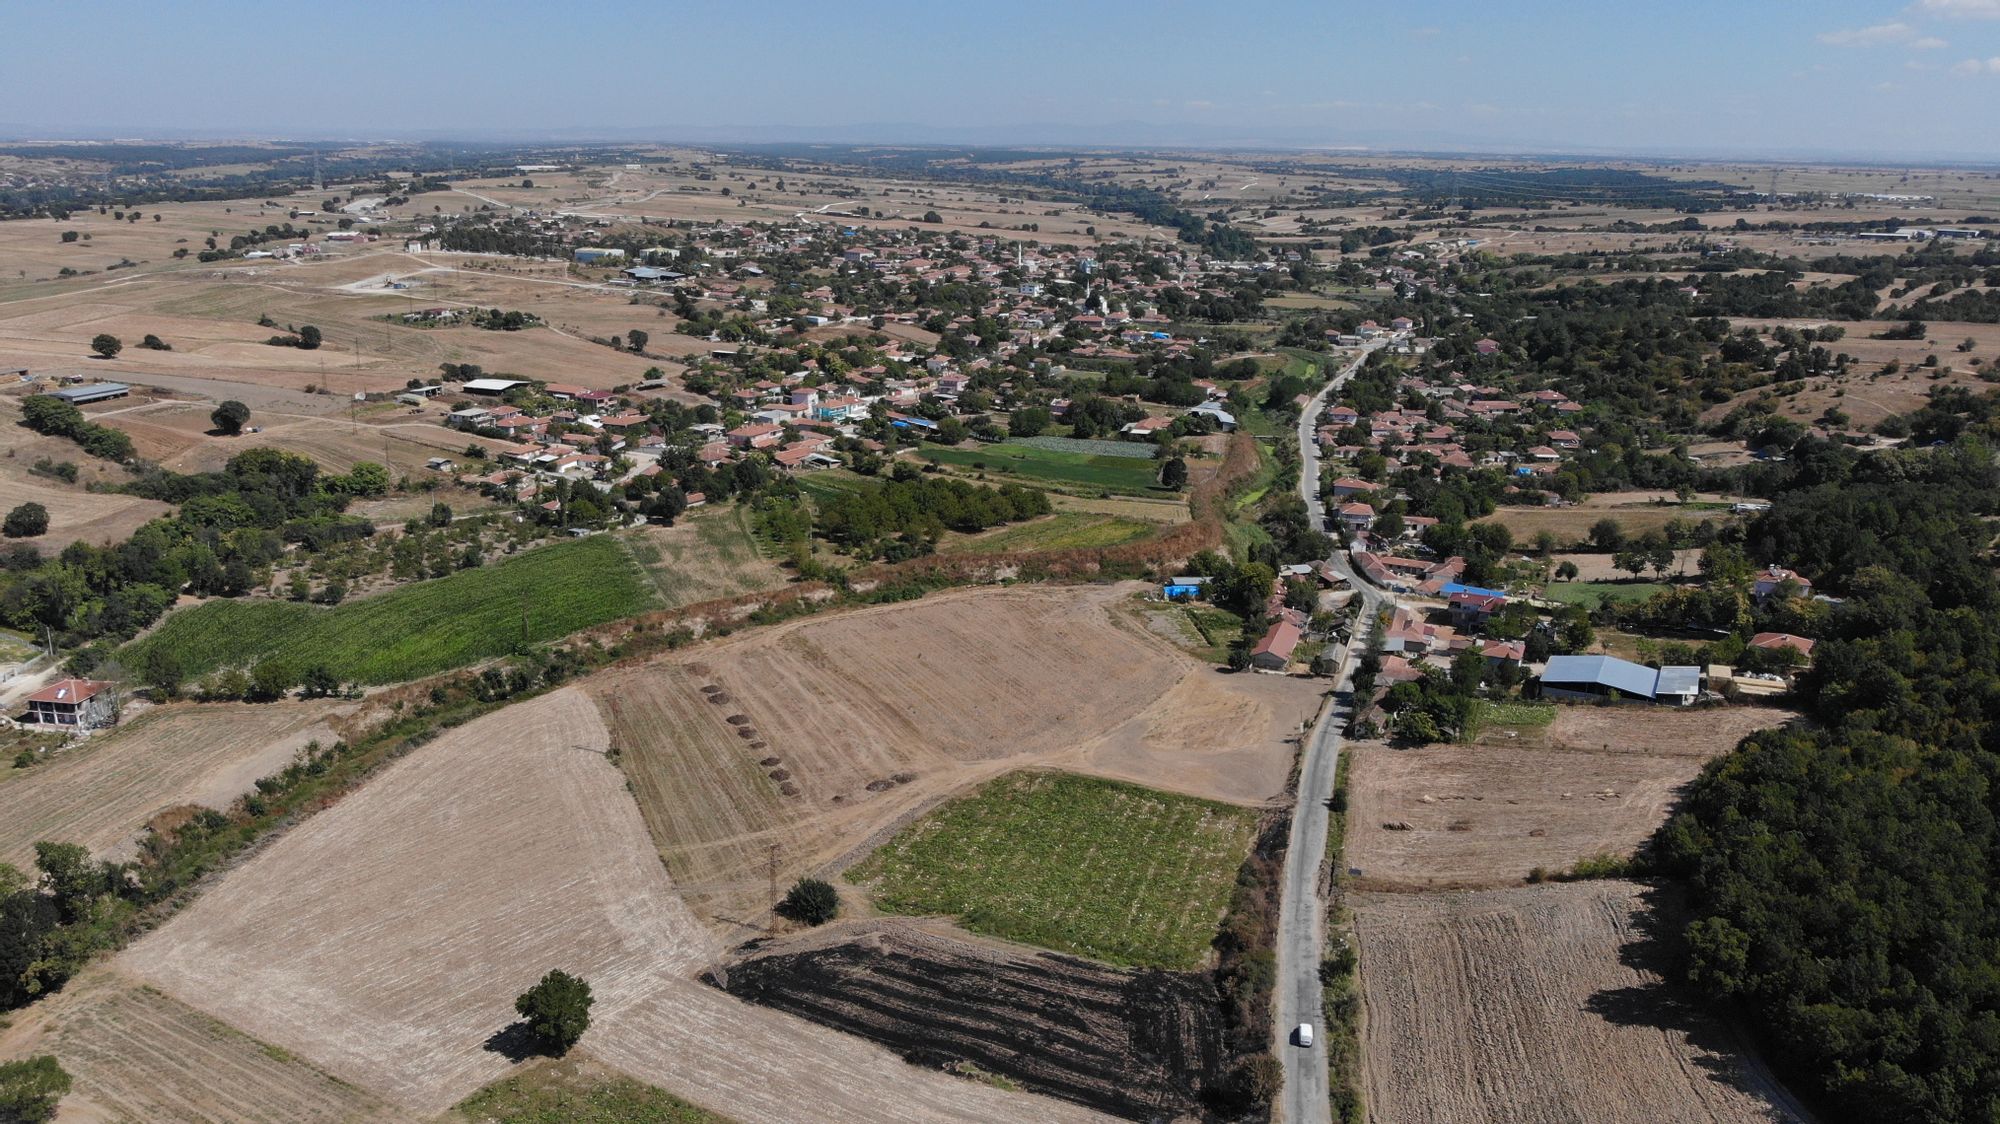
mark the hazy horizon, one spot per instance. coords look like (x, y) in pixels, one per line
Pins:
(1849, 79)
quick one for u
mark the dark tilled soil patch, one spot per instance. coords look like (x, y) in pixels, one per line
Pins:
(1142, 1045)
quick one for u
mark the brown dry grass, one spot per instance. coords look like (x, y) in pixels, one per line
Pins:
(919, 701)
(102, 792)
(1571, 525)
(1599, 780)
(1542, 1005)
(384, 940)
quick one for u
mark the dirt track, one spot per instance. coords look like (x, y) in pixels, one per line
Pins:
(384, 940)
(101, 793)
(1540, 1005)
(870, 717)
(1138, 1044)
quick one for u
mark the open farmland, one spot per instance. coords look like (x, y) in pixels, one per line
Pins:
(1542, 1005)
(382, 942)
(1036, 465)
(137, 1054)
(76, 515)
(419, 629)
(103, 791)
(1572, 525)
(708, 553)
(798, 744)
(1138, 1044)
(1112, 871)
(1597, 780)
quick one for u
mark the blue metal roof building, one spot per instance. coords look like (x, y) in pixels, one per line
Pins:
(1608, 677)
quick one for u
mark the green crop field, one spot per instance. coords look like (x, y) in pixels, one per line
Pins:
(568, 1092)
(1112, 871)
(415, 630)
(1067, 530)
(1058, 467)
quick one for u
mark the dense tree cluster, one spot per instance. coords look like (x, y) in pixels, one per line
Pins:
(1843, 873)
(915, 512)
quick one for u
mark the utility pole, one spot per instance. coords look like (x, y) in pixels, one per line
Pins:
(774, 886)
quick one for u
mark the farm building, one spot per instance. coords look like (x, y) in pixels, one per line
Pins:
(1594, 678)
(491, 386)
(1274, 651)
(82, 703)
(95, 392)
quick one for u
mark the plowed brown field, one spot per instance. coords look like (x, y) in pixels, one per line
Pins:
(1541, 1005)
(385, 938)
(141, 1056)
(101, 793)
(800, 743)
(1470, 816)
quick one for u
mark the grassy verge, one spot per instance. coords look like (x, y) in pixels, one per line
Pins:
(1098, 868)
(416, 630)
(1067, 530)
(1513, 713)
(567, 1091)
(1340, 983)
(1592, 594)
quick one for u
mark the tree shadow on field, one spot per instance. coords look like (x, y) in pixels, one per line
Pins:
(515, 1042)
(1663, 1003)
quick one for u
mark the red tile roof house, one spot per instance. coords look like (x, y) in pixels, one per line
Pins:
(81, 703)
(1352, 486)
(755, 436)
(1774, 640)
(1486, 346)
(1274, 651)
(1774, 578)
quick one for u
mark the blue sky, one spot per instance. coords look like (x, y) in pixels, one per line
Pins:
(1749, 77)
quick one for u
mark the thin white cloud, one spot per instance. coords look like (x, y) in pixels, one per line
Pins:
(1960, 9)
(1929, 43)
(1199, 103)
(1978, 66)
(1879, 35)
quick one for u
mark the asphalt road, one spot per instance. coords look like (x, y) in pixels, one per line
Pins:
(1302, 910)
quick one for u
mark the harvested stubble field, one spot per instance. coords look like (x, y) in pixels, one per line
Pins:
(1571, 525)
(139, 1055)
(382, 941)
(1596, 780)
(1112, 871)
(104, 791)
(1138, 1044)
(573, 1089)
(818, 736)
(1542, 1005)
(419, 629)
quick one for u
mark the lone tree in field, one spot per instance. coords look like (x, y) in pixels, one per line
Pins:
(557, 1010)
(1175, 474)
(30, 1088)
(107, 345)
(638, 339)
(309, 338)
(811, 901)
(230, 416)
(26, 521)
